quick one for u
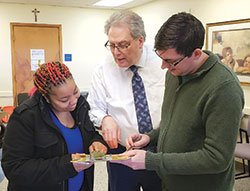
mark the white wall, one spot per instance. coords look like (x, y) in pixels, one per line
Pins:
(208, 11)
(83, 35)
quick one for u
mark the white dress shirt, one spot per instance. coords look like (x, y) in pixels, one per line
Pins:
(111, 92)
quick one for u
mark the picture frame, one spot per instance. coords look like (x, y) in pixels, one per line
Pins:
(230, 41)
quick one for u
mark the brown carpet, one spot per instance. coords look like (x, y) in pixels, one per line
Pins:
(241, 184)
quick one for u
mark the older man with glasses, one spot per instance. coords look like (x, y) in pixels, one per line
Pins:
(126, 96)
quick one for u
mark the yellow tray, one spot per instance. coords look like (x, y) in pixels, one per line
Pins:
(87, 158)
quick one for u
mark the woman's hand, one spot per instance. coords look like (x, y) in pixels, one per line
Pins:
(98, 146)
(80, 166)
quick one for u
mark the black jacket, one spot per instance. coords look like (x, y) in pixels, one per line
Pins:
(35, 156)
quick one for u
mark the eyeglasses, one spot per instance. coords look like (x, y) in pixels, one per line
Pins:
(170, 62)
(120, 46)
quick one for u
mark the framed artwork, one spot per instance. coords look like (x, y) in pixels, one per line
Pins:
(230, 41)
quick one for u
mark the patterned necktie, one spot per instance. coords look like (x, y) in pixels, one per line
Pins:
(141, 104)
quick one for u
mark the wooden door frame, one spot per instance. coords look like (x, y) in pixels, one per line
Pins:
(12, 26)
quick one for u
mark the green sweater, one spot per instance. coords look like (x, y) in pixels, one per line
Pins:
(198, 130)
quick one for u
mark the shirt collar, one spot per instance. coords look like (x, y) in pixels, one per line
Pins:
(142, 60)
(207, 65)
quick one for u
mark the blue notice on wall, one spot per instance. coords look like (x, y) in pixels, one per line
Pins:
(68, 57)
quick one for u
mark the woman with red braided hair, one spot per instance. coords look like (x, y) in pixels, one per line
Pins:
(48, 131)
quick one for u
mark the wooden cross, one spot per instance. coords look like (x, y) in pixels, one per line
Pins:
(35, 11)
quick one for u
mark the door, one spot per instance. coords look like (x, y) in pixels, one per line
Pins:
(27, 39)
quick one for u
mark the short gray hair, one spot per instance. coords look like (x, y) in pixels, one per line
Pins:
(129, 18)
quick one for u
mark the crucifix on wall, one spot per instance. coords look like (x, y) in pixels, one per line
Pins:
(35, 11)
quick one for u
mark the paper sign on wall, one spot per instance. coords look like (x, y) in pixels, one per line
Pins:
(37, 56)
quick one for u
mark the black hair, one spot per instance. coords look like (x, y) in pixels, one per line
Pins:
(181, 31)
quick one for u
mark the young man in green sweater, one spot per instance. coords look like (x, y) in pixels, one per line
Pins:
(201, 114)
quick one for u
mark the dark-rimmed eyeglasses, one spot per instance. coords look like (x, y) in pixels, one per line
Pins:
(171, 62)
(120, 46)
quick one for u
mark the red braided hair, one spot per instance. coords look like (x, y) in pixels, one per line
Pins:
(50, 73)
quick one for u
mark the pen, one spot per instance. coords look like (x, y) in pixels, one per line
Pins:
(138, 139)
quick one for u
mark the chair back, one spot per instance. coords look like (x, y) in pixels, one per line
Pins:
(9, 110)
(248, 127)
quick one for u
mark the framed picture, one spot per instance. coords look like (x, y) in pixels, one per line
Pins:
(230, 40)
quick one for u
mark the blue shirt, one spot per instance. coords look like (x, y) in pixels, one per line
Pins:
(74, 143)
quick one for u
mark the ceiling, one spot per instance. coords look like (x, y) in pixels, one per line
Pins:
(77, 3)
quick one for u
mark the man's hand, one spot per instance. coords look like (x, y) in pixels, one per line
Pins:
(111, 132)
(137, 160)
(137, 140)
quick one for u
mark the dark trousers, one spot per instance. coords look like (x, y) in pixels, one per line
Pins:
(123, 178)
